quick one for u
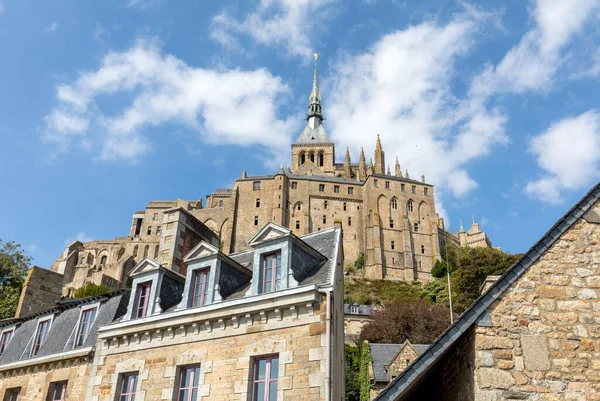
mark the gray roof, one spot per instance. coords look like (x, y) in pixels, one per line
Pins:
(62, 334)
(383, 354)
(477, 312)
(363, 310)
(311, 135)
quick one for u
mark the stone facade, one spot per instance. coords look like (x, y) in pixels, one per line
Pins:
(41, 286)
(355, 318)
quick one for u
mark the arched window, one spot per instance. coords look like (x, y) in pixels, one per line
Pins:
(394, 203)
(321, 159)
(312, 157)
(146, 250)
(302, 158)
(135, 251)
(156, 252)
(409, 206)
(221, 203)
(103, 260)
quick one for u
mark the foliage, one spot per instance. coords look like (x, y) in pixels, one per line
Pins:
(418, 321)
(363, 373)
(359, 263)
(14, 264)
(473, 266)
(352, 354)
(368, 292)
(91, 290)
(440, 269)
(436, 291)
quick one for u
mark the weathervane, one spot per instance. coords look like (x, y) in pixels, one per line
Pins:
(316, 56)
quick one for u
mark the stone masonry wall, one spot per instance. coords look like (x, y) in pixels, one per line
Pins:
(544, 343)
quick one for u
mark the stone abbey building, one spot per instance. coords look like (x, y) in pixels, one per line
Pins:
(391, 218)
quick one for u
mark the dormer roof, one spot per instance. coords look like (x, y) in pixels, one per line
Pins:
(269, 231)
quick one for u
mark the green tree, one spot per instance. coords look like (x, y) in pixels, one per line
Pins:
(473, 266)
(352, 354)
(359, 263)
(91, 290)
(14, 264)
(363, 373)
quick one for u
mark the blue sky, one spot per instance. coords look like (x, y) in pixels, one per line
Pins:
(107, 105)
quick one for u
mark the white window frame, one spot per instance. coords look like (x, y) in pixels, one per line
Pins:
(81, 310)
(37, 327)
(8, 329)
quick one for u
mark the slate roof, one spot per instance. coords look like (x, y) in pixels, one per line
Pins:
(477, 312)
(311, 135)
(62, 334)
(363, 310)
(383, 354)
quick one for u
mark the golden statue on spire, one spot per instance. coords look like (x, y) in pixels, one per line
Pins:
(316, 56)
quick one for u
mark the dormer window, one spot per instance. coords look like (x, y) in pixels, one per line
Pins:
(354, 309)
(5, 339)
(87, 320)
(40, 336)
(201, 278)
(142, 298)
(270, 279)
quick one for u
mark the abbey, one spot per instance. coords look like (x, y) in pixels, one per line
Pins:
(388, 218)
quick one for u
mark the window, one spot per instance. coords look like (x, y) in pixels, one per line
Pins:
(324, 204)
(336, 189)
(350, 190)
(393, 245)
(416, 227)
(168, 239)
(402, 187)
(321, 160)
(220, 202)
(422, 248)
(158, 230)
(409, 206)
(146, 250)
(201, 278)
(391, 223)
(149, 230)
(321, 187)
(87, 320)
(103, 260)
(414, 189)
(128, 386)
(142, 297)
(324, 219)
(387, 185)
(12, 394)
(264, 379)
(394, 203)
(349, 221)
(256, 185)
(345, 206)
(297, 224)
(312, 157)
(40, 336)
(257, 202)
(187, 388)
(393, 260)
(425, 191)
(354, 309)
(5, 339)
(255, 220)
(156, 251)
(155, 216)
(57, 391)
(271, 273)
(294, 185)
(135, 251)
(376, 183)
(299, 206)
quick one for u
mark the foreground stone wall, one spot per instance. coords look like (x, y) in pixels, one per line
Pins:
(544, 343)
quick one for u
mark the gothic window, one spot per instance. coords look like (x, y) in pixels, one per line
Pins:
(103, 260)
(312, 157)
(302, 158)
(409, 206)
(394, 203)
(321, 159)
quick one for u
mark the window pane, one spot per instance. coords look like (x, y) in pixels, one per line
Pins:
(183, 395)
(194, 394)
(259, 391)
(196, 376)
(261, 369)
(273, 391)
(187, 376)
(274, 368)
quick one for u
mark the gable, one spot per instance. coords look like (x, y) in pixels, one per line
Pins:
(269, 231)
(144, 266)
(203, 249)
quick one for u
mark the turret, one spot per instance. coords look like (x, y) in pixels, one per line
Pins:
(347, 167)
(398, 169)
(379, 166)
(362, 166)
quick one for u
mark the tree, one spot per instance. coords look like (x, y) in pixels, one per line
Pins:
(418, 321)
(352, 354)
(91, 290)
(14, 264)
(363, 372)
(473, 266)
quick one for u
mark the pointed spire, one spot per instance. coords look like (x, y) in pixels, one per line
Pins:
(462, 229)
(362, 165)
(347, 167)
(388, 171)
(407, 176)
(398, 169)
(314, 104)
(473, 218)
(379, 167)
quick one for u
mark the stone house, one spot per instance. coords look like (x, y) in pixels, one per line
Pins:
(533, 335)
(48, 355)
(262, 324)
(355, 318)
(389, 360)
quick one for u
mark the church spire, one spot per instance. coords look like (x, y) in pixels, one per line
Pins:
(379, 167)
(362, 165)
(314, 104)
(347, 167)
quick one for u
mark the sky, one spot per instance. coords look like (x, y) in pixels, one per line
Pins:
(105, 106)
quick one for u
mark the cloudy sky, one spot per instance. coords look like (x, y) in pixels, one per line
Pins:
(107, 105)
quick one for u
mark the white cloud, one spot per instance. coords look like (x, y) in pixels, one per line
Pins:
(81, 236)
(401, 89)
(52, 27)
(225, 106)
(292, 24)
(569, 153)
(531, 65)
